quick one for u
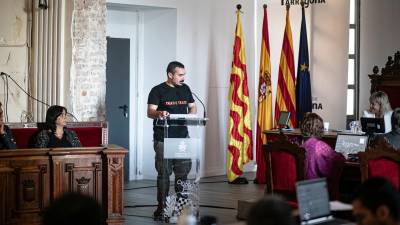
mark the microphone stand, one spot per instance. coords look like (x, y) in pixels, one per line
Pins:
(204, 108)
(30, 96)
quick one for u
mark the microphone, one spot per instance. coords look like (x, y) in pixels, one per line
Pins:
(204, 108)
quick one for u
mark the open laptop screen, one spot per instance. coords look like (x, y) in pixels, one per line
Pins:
(283, 118)
(350, 144)
(372, 125)
(313, 199)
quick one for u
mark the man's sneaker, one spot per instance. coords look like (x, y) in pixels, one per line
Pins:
(158, 215)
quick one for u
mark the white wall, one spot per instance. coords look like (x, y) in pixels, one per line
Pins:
(14, 54)
(204, 43)
(328, 56)
(380, 38)
(159, 48)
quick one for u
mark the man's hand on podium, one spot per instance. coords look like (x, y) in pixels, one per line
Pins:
(162, 114)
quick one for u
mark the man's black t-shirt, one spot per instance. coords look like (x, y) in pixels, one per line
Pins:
(174, 100)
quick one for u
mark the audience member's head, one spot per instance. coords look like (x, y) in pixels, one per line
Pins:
(312, 125)
(73, 209)
(379, 104)
(396, 119)
(54, 115)
(271, 210)
(376, 202)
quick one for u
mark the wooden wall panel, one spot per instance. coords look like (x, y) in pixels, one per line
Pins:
(31, 178)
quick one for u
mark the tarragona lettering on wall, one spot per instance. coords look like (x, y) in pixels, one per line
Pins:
(306, 2)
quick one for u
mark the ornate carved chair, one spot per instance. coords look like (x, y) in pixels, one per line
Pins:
(285, 165)
(381, 160)
(389, 79)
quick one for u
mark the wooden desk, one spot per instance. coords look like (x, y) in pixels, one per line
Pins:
(295, 135)
(351, 175)
(31, 178)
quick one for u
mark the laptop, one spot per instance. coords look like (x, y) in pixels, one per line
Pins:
(372, 125)
(351, 144)
(313, 201)
(283, 121)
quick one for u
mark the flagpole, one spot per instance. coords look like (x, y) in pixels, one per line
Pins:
(236, 162)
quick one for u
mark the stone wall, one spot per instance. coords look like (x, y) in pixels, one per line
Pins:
(89, 56)
(14, 48)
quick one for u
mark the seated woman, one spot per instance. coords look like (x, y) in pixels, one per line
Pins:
(56, 134)
(321, 159)
(379, 107)
(6, 137)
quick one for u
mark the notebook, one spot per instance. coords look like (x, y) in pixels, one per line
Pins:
(350, 144)
(313, 201)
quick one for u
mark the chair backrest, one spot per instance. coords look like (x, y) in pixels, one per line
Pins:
(285, 165)
(381, 160)
(91, 134)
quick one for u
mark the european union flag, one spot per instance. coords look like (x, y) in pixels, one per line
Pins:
(303, 84)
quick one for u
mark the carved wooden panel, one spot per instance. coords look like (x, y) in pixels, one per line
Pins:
(5, 203)
(79, 173)
(114, 163)
(28, 183)
(26, 189)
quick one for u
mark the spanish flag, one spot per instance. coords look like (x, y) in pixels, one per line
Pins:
(286, 91)
(240, 134)
(264, 113)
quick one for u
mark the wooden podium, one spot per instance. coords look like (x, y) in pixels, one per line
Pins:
(31, 178)
(389, 79)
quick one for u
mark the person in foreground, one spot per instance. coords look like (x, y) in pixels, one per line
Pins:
(321, 159)
(6, 137)
(170, 97)
(271, 210)
(379, 107)
(56, 134)
(73, 209)
(376, 202)
(393, 137)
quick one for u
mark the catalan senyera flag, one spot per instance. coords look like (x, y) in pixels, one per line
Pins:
(240, 133)
(286, 90)
(264, 112)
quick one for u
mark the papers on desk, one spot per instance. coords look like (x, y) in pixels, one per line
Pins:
(340, 206)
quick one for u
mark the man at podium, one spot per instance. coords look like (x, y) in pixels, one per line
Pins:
(169, 97)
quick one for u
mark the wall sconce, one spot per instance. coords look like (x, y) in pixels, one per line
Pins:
(42, 4)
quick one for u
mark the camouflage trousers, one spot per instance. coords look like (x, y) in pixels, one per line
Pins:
(165, 167)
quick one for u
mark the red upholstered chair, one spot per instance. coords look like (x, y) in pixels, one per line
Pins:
(285, 165)
(91, 134)
(381, 160)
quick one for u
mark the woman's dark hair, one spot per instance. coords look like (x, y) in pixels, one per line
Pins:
(52, 113)
(312, 125)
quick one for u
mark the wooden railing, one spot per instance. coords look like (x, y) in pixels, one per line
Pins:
(30, 179)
